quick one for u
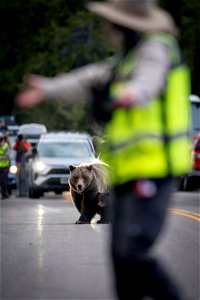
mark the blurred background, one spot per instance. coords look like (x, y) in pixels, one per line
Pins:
(50, 37)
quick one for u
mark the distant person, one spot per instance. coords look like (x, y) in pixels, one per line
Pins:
(142, 97)
(7, 140)
(4, 165)
(22, 147)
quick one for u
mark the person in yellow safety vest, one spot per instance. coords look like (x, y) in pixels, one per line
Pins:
(4, 164)
(142, 97)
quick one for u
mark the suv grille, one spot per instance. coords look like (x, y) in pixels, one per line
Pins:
(59, 171)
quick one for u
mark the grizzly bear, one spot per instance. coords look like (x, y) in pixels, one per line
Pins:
(90, 192)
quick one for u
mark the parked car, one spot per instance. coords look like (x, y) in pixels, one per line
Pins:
(32, 132)
(55, 151)
(6, 120)
(191, 181)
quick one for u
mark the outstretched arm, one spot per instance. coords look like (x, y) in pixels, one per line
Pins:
(73, 86)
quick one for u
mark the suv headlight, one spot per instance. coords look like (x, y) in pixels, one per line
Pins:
(40, 167)
(13, 169)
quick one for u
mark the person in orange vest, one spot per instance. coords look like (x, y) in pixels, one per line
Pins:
(22, 147)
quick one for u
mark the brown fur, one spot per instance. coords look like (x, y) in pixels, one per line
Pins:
(89, 191)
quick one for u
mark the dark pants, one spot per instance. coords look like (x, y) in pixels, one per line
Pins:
(22, 179)
(136, 224)
(4, 182)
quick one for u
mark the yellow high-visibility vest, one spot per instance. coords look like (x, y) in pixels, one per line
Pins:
(4, 158)
(151, 140)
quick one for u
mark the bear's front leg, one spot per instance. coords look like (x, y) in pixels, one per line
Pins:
(77, 200)
(86, 216)
(81, 220)
(89, 209)
(104, 215)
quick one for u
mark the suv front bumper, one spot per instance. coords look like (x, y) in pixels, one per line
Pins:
(51, 183)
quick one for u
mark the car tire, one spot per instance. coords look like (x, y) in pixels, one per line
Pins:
(189, 184)
(180, 184)
(58, 192)
(34, 194)
(9, 190)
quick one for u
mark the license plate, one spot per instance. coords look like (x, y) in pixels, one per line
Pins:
(63, 180)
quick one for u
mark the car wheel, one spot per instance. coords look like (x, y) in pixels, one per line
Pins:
(58, 192)
(189, 184)
(180, 184)
(9, 190)
(34, 194)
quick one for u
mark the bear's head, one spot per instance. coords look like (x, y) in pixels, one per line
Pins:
(81, 178)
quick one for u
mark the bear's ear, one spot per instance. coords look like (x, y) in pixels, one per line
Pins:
(71, 168)
(89, 168)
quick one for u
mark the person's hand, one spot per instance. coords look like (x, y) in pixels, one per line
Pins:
(124, 99)
(32, 94)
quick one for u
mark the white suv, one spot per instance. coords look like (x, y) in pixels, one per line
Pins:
(55, 151)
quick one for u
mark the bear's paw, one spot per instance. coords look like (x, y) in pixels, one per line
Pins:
(82, 222)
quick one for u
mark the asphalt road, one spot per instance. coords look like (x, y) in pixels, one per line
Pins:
(44, 255)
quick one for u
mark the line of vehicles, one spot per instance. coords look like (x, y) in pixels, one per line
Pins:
(50, 157)
(53, 152)
(191, 181)
(32, 132)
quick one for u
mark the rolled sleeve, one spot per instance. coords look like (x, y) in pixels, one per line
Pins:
(151, 69)
(76, 85)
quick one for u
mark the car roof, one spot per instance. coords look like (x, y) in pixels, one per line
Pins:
(32, 128)
(64, 136)
(194, 99)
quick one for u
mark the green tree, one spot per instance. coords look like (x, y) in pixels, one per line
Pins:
(49, 37)
(186, 15)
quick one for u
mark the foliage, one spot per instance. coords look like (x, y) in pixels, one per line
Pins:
(186, 15)
(50, 37)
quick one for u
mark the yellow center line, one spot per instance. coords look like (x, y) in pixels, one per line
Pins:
(191, 215)
(186, 211)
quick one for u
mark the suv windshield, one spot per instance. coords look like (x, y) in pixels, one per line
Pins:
(63, 150)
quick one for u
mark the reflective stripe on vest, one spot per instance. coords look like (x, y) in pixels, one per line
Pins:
(4, 159)
(151, 140)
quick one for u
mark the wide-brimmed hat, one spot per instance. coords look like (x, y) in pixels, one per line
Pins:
(140, 15)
